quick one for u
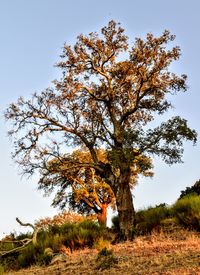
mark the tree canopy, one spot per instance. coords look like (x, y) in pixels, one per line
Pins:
(108, 96)
(193, 190)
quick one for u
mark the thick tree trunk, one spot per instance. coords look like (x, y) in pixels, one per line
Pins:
(125, 209)
(102, 215)
(124, 201)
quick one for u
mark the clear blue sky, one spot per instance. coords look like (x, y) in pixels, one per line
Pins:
(32, 34)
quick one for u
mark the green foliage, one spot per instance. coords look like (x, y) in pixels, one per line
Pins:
(73, 235)
(33, 254)
(151, 218)
(105, 259)
(146, 219)
(9, 262)
(193, 190)
(187, 212)
(50, 242)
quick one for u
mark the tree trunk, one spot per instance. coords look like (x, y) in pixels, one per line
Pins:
(124, 202)
(125, 209)
(102, 215)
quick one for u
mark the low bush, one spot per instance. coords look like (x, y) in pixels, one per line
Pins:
(147, 220)
(31, 255)
(69, 235)
(187, 212)
(105, 259)
(102, 243)
(151, 218)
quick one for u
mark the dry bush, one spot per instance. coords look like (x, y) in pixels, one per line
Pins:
(63, 218)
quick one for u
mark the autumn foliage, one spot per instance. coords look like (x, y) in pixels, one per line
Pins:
(108, 96)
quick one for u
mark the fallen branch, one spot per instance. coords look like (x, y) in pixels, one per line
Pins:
(16, 249)
(24, 242)
(25, 224)
(35, 229)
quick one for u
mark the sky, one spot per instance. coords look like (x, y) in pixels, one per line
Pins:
(32, 34)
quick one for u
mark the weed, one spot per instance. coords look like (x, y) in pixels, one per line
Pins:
(105, 259)
(101, 243)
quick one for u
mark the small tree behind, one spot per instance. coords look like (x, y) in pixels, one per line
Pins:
(79, 187)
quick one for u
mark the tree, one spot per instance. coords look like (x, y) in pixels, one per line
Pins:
(80, 188)
(193, 190)
(88, 193)
(107, 98)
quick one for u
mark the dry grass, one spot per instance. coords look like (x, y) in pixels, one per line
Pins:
(178, 253)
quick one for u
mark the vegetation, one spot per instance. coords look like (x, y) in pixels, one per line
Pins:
(81, 189)
(50, 242)
(105, 101)
(187, 211)
(153, 254)
(184, 212)
(160, 228)
(193, 190)
(62, 218)
(105, 259)
(151, 219)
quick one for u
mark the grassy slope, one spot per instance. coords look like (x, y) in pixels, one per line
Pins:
(156, 254)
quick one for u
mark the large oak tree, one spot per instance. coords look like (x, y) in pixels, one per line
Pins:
(108, 96)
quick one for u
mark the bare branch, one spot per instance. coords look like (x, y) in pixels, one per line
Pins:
(25, 242)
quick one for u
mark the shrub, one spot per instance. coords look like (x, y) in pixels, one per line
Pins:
(63, 218)
(146, 220)
(105, 259)
(80, 235)
(187, 212)
(9, 262)
(193, 190)
(151, 218)
(51, 241)
(101, 243)
(71, 235)
(28, 256)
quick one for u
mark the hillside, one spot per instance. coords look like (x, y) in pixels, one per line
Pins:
(159, 253)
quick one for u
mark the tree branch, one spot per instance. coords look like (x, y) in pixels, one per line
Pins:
(24, 242)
